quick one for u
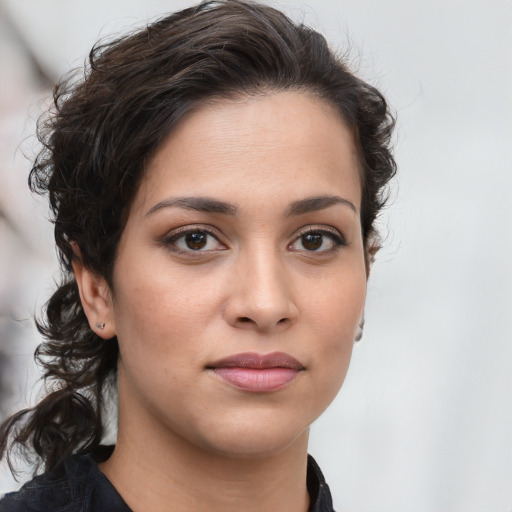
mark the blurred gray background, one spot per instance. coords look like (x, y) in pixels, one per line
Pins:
(424, 420)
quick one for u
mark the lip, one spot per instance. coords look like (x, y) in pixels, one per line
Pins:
(257, 373)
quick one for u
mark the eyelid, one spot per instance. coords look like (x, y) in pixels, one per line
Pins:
(335, 235)
(175, 234)
(190, 228)
(321, 228)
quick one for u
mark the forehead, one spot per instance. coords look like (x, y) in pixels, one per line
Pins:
(287, 143)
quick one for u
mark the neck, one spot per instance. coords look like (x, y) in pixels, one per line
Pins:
(152, 471)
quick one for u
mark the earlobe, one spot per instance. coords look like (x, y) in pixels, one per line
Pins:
(372, 247)
(96, 300)
(360, 329)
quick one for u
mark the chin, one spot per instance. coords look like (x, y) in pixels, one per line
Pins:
(252, 437)
(256, 445)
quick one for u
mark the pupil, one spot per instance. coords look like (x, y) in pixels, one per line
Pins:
(312, 241)
(195, 241)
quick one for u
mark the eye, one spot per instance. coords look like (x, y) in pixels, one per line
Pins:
(318, 240)
(193, 240)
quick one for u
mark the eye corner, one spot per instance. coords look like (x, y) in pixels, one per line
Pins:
(194, 241)
(317, 243)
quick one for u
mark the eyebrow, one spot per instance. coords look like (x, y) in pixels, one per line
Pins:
(312, 204)
(210, 205)
(199, 204)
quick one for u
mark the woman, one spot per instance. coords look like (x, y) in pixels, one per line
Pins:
(214, 179)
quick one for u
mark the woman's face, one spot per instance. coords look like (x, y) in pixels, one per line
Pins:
(240, 277)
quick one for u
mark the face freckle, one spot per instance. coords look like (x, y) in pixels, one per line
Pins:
(243, 238)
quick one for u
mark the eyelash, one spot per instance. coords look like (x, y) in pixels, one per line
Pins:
(170, 240)
(333, 234)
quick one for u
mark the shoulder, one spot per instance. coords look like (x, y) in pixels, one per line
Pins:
(77, 485)
(50, 490)
(319, 493)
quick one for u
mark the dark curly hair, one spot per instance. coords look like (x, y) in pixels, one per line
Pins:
(101, 131)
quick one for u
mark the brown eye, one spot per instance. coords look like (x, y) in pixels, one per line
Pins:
(193, 241)
(312, 241)
(318, 240)
(196, 240)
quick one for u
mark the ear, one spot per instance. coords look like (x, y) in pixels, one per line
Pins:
(372, 247)
(360, 329)
(96, 299)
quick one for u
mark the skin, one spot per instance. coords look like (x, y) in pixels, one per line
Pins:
(256, 286)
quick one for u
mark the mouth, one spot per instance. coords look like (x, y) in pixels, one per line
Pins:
(257, 373)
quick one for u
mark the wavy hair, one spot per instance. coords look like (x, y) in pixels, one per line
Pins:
(96, 139)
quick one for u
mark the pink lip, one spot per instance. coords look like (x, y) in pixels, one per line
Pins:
(257, 373)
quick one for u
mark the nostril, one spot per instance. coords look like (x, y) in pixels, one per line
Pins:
(263, 322)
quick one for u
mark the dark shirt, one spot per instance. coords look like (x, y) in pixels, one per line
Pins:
(78, 485)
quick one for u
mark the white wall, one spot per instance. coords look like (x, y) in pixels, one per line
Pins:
(424, 420)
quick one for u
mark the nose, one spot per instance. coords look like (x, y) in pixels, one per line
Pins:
(261, 294)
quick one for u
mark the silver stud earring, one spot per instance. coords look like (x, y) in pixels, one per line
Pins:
(360, 329)
(100, 326)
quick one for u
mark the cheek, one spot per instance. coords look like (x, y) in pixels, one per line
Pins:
(334, 307)
(334, 318)
(161, 319)
(154, 303)
(145, 318)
